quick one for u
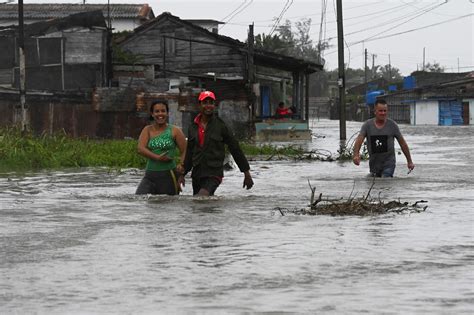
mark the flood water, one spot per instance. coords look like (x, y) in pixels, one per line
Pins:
(80, 241)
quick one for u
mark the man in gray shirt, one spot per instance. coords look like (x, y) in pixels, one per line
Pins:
(380, 133)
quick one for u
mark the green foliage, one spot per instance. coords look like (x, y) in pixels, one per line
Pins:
(296, 43)
(387, 72)
(28, 152)
(25, 152)
(120, 56)
(434, 67)
(346, 152)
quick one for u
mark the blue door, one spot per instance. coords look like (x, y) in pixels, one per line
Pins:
(265, 99)
(450, 113)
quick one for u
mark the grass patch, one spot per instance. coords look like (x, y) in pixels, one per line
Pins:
(23, 152)
(19, 152)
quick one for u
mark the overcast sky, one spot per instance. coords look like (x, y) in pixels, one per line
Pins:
(444, 28)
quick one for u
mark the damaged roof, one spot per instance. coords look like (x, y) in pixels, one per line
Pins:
(44, 11)
(85, 19)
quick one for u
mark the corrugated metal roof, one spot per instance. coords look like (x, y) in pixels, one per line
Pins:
(84, 19)
(40, 11)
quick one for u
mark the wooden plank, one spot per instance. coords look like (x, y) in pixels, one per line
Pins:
(84, 47)
(6, 76)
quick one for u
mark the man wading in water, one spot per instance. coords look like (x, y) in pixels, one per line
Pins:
(380, 133)
(207, 137)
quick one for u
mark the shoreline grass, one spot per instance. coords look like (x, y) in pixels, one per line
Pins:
(26, 152)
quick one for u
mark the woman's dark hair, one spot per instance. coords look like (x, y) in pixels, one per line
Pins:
(159, 101)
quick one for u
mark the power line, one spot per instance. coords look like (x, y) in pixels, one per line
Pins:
(385, 22)
(396, 19)
(408, 31)
(412, 30)
(228, 15)
(384, 31)
(238, 12)
(277, 22)
(369, 14)
(440, 14)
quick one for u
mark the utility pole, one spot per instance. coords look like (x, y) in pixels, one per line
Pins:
(423, 59)
(251, 68)
(365, 70)
(342, 77)
(251, 48)
(458, 64)
(389, 69)
(373, 65)
(21, 66)
(108, 15)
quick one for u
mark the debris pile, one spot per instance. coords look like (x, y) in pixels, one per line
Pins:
(364, 206)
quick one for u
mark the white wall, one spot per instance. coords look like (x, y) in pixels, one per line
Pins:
(471, 110)
(426, 113)
(119, 25)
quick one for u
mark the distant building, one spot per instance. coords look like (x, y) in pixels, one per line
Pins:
(210, 25)
(72, 84)
(61, 54)
(443, 99)
(123, 17)
(248, 82)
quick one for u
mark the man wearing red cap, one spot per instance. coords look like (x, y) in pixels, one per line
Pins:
(205, 154)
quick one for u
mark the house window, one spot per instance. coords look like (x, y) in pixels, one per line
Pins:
(170, 46)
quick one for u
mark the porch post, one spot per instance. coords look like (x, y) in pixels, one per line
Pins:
(306, 107)
(296, 89)
(22, 68)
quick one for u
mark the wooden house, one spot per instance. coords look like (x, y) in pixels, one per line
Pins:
(67, 70)
(62, 54)
(248, 83)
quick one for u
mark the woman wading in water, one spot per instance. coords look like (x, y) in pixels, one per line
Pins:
(159, 143)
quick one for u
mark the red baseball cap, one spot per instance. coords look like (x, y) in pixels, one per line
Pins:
(206, 94)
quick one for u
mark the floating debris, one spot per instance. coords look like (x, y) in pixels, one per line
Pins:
(364, 206)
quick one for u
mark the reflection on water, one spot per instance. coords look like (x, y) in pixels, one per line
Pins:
(80, 241)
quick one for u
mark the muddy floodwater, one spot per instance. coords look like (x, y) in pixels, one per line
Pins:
(80, 242)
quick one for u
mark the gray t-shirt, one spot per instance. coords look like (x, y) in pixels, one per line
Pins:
(380, 143)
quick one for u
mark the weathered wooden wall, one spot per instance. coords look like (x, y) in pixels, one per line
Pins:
(184, 50)
(58, 61)
(74, 114)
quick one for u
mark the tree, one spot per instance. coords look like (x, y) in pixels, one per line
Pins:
(434, 67)
(389, 73)
(271, 43)
(296, 43)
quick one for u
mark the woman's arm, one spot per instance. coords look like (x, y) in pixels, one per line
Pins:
(180, 139)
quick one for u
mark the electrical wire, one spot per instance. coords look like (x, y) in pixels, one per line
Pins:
(277, 22)
(388, 22)
(440, 14)
(412, 30)
(228, 15)
(322, 24)
(408, 31)
(238, 12)
(395, 9)
(400, 24)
